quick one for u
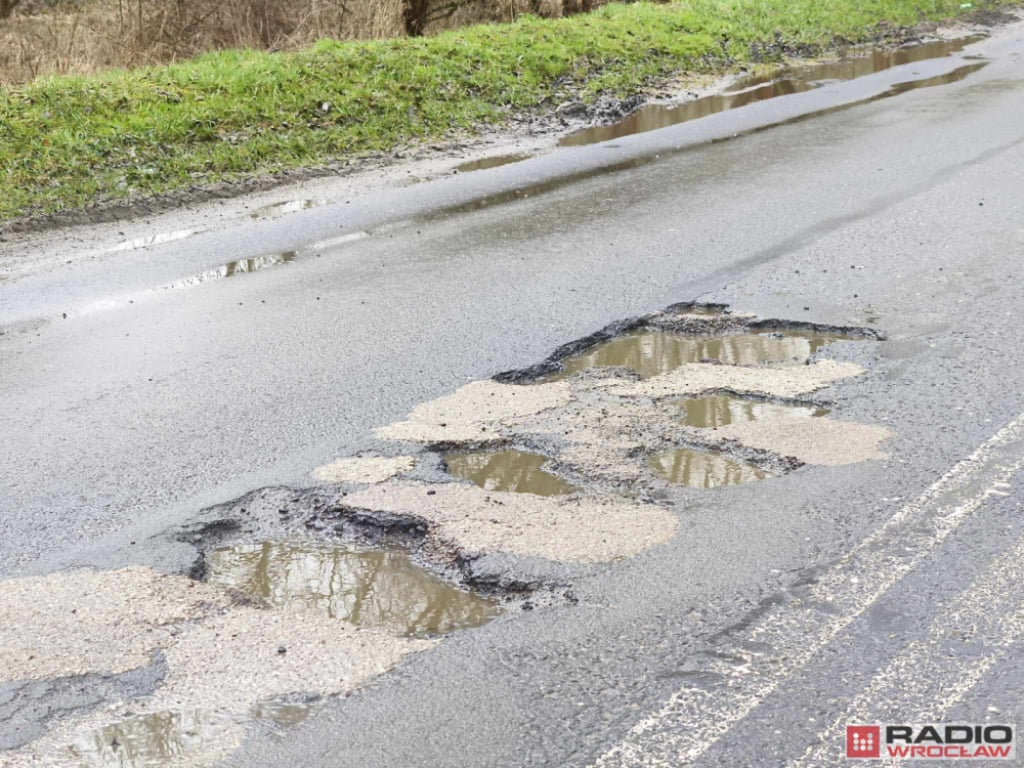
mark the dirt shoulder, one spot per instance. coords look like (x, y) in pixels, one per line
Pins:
(123, 145)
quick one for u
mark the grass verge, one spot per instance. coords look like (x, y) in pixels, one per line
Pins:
(70, 142)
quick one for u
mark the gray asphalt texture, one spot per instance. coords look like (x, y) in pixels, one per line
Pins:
(905, 214)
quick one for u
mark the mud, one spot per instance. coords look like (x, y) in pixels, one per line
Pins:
(364, 469)
(715, 411)
(369, 588)
(508, 471)
(703, 470)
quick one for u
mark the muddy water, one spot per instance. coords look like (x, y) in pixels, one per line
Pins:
(282, 712)
(719, 410)
(490, 162)
(375, 588)
(703, 470)
(147, 740)
(780, 83)
(650, 353)
(513, 471)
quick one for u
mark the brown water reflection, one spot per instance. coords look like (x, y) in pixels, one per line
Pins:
(650, 353)
(494, 161)
(702, 469)
(513, 471)
(782, 82)
(375, 588)
(719, 410)
(149, 740)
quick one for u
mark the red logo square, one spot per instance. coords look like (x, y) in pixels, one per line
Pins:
(863, 741)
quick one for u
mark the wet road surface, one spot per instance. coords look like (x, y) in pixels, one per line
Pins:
(781, 609)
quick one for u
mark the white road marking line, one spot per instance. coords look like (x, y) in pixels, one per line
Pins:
(694, 719)
(921, 684)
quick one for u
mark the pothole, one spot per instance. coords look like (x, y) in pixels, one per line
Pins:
(151, 739)
(286, 711)
(702, 469)
(380, 588)
(494, 161)
(694, 395)
(713, 411)
(653, 352)
(510, 470)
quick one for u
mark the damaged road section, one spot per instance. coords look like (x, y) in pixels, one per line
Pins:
(578, 459)
(180, 669)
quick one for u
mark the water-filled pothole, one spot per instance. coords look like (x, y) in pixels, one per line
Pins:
(494, 161)
(374, 588)
(748, 91)
(720, 410)
(149, 740)
(511, 470)
(702, 469)
(650, 353)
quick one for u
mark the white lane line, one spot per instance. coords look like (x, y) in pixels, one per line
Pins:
(693, 719)
(922, 683)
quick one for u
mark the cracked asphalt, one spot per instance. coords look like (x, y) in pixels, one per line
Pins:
(778, 611)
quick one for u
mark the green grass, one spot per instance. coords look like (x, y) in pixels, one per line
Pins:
(69, 142)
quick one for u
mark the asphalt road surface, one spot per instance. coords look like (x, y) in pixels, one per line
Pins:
(134, 394)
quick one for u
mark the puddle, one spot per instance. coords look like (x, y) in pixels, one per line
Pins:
(850, 67)
(780, 83)
(282, 712)
(283, 207)
(948, 79)
(148, 740)
(158, 239)
(232, 268)
(513, 471)
(703, 470)
(372, 588)
(720, 410)
(490, 162)
(651, 353)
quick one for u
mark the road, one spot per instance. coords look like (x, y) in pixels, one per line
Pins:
(135, 395)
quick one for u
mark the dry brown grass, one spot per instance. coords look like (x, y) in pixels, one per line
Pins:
(86, 36)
